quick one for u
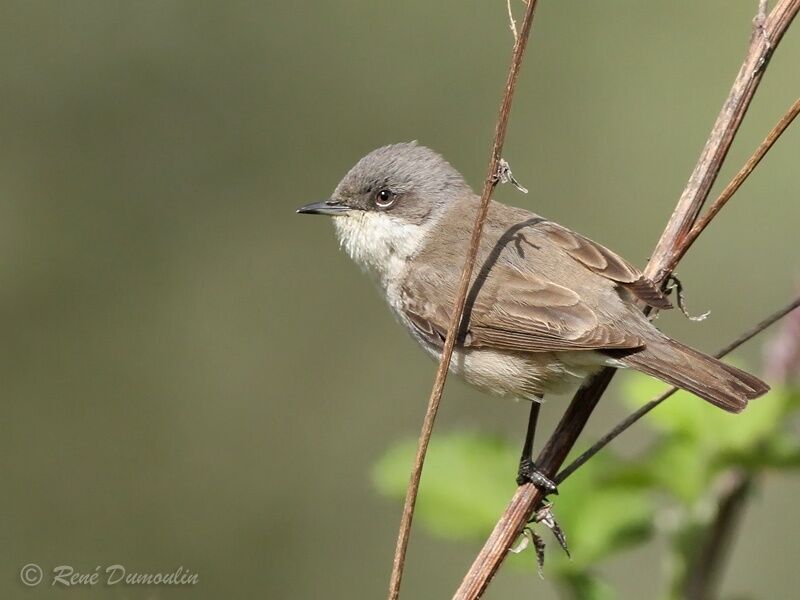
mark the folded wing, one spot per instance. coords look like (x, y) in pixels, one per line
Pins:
(604, 262)
(514, 311)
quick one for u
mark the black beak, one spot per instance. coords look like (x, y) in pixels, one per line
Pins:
(328, 207)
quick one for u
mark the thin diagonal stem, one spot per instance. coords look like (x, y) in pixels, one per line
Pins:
(735, 183)
(768, 32)
(693, 234)
(404, 534)
(646, 408)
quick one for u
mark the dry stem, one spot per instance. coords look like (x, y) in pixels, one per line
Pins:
(520, 43)
(646, 408)
(767, 34)
(737, 181)
(704, 569)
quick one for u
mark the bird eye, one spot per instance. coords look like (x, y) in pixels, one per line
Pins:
(384, 199)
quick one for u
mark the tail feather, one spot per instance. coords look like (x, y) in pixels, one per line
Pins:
(722, 385)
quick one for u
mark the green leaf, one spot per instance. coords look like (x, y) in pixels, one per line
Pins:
(677, 464)
(601, 512)
(680, 413)
(715, 430)
(588, 586)
(792, 396)
(467, 482)
(780, 450)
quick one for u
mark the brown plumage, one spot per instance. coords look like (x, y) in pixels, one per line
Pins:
(542, 288)
(546, 306)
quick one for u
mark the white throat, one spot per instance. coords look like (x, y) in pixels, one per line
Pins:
(380, 243)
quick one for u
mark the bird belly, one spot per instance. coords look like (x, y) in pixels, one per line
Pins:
(524, 375)
(527, 375)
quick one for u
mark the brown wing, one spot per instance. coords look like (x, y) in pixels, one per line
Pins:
(513, 311)
(605, 263)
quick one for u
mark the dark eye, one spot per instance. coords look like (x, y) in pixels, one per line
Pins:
(384, 198)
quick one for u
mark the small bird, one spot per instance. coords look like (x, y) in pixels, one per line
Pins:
(546, 306)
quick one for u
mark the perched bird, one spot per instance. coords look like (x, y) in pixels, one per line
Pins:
(546, 306)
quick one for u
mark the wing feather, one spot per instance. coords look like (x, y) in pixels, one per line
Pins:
(604, 262)
(514, 311)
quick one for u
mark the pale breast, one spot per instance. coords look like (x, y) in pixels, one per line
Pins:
(379, 243)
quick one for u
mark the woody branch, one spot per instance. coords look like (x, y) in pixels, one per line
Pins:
(767, 33)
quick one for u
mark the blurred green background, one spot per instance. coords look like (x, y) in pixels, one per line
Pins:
(193, 375)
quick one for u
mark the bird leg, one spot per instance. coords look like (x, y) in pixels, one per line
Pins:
(528, 471)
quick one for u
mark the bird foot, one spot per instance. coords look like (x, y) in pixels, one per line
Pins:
(545, 516)
(529, 537)
(529, 472)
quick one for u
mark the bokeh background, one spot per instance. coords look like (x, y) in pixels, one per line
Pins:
(193, 375)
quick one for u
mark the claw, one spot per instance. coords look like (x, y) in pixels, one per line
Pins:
(545, 516)
(530, 537)
(538, 546)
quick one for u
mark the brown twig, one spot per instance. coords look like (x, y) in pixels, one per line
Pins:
(767, 34)
(517, 509)
(705, 565)
(709, 549)
(735, 183)
(698, 228)
(646, 408)
(520, 43)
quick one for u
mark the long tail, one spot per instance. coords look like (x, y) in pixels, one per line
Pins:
(720, 384)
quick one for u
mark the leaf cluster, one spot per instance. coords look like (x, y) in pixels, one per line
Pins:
(611, 503)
